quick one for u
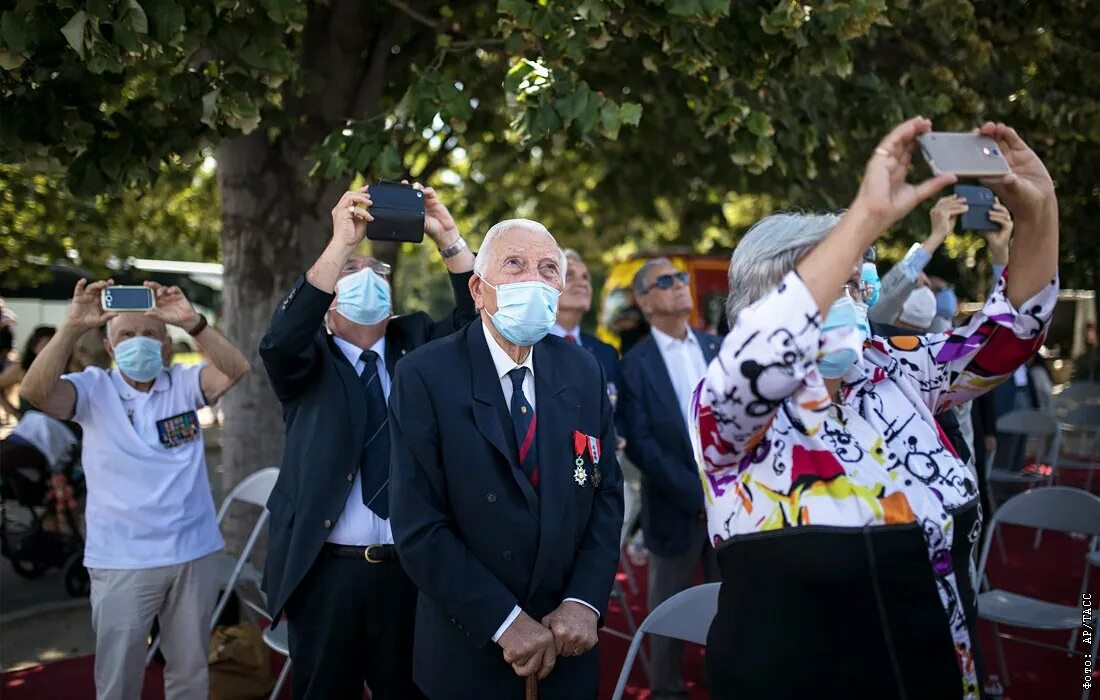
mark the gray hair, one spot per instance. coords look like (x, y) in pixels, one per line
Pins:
(571, 254)
(481, 260)
(769, 251)
(640, 277)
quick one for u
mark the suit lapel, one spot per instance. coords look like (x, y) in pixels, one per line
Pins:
(661, 380)
(557, 410)
(395, 346)
(353, 391)
(490, 413)
(708, 344)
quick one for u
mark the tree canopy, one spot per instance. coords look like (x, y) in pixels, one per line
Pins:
(612, 121)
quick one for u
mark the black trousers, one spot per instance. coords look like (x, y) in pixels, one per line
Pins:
(352, 621)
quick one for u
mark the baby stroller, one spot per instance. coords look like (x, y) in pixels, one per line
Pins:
(30, 534)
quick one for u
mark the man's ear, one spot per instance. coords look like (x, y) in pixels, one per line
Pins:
(475, 292)
(108, 348)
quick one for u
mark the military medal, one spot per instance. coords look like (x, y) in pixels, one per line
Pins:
(594, 452)
(579, 443)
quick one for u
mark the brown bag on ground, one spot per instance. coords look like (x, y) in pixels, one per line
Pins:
(240, 664)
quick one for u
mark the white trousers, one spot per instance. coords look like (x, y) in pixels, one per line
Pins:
(124, 603)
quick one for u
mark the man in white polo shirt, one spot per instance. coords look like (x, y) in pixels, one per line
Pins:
(151, 528)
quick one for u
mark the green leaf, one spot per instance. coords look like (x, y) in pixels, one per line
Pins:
(759, 124)
(388, 163)
(136, 17)
(13, 31)
(630, 113)
(9, 60)
(210, 108)
(166, 17)
(74, 32)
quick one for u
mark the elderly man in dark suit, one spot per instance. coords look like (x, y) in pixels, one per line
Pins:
(331, 562)
(660, 374)
(575, 302)
(507, 497)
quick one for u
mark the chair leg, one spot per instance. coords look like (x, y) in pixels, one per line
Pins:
(629, 617)
(631, 582)
(1001, 665)
(278, 689)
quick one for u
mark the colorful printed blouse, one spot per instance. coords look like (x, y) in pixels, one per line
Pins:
(775, 452)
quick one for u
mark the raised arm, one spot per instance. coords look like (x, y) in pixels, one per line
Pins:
(227, 365)
(42, 385)
(440, 226)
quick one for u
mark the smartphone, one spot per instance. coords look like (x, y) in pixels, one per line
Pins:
(398, 212)
(965, 155)
(128, 299)
(979, 201)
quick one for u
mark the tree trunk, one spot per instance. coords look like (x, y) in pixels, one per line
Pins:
(271, 232)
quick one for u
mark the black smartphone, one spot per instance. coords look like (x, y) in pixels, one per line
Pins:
(123, 298)
(980, 201)
(398, 212)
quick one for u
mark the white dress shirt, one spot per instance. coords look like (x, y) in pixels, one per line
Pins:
(561, 333)
(359, 526)
(505, 364)
(686, 366)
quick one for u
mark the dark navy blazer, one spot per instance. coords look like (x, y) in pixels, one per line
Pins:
(657, 442)
(325, 411)
(472, 532)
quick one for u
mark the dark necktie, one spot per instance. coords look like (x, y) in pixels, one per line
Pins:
(374, 463)
(523, 420)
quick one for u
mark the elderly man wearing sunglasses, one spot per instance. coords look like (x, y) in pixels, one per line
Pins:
(659, 375)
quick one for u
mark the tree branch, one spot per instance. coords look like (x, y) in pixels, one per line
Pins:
(416, 15)
(438, 160)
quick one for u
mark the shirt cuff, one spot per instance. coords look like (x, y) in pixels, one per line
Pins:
(587, 605)
(508, 621)
(915, 261)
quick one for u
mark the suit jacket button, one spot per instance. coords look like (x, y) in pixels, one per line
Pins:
(507, 554)
(351, 476)
(328, 524)
(491, 497)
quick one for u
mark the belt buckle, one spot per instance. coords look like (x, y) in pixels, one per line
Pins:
(367, 553)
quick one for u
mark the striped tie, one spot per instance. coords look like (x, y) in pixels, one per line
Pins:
(374, 463)
(524, 422)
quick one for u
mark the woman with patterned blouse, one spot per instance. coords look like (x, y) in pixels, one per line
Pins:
(842, 517)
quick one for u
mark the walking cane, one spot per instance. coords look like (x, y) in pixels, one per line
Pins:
(531, 688)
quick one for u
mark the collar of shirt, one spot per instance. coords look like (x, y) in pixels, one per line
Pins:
(667, 342)
(501, 361)
(561, 332)
(128, 393)
(352, 352)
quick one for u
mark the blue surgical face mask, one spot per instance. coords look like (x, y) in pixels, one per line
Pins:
(946, 303)
(363, 297)
(526, 311)
(843, 314)
(869, 273)
(140, 359)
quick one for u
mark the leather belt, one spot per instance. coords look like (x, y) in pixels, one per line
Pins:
(372, 553)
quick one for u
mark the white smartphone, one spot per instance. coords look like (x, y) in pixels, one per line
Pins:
(125, 298)
(963, 154)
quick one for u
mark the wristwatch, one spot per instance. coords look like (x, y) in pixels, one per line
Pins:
(198, 326)
(453, 249)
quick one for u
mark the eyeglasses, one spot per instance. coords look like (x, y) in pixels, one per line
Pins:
(860, 291)
(666, 281)
(379, 267)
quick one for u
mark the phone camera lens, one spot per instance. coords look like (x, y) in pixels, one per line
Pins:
(995, 151)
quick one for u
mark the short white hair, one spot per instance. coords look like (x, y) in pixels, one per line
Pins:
(571, 254)
(481, 260)
(768, 251)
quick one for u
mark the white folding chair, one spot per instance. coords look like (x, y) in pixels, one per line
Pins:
(253, 490)
(1077, 393)
(276, 639)
(685, 616)
(1079, 447)
(1041, 435)
(1056, 508)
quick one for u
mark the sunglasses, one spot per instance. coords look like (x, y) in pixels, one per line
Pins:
(666, 281)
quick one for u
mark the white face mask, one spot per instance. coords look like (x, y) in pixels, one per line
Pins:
(526, 311)
(363, 297)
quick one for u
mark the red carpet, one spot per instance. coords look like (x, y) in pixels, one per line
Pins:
(1053, 572)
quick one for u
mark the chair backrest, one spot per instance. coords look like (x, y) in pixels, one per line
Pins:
(1080, 390)
(1058, 508)
(1083, 418)
(686, 615)
(253, 489)
(1028, 422)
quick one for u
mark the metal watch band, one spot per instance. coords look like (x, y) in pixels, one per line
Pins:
(454, 248)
